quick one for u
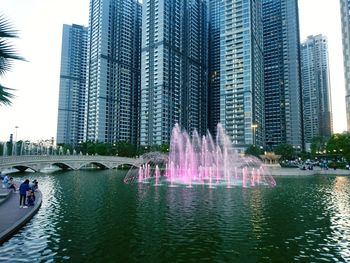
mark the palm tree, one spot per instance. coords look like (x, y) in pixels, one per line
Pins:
(7, 55)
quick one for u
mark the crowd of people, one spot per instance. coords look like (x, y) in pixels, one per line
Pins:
(26, 190)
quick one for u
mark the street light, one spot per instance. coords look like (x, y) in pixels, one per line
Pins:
(14, 143)
(16, 127)
(254, 126)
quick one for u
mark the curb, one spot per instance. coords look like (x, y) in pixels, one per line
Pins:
(7, 196)
(16, 226)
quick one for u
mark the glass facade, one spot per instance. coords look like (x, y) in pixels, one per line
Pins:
(112, 97)
(216, 18)
(283, 101)
(316, 88)
(345, 19)
(174, 68)
(242, 75)
(70, 129)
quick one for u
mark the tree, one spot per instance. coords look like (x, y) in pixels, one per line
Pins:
(126, 149)
(254, 150)
(286, 151)
(7, 55)
(103, 148)
(339, 144)
(164, 148)
(318, 144)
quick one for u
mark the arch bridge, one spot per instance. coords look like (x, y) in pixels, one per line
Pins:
(66, 162)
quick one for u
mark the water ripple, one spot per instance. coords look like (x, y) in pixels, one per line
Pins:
(90, 215)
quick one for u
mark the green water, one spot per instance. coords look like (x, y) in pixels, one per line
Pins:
(92, 216)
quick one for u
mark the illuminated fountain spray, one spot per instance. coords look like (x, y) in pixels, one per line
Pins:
(193, 160)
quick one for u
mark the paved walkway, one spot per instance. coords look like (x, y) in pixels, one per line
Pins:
(279, 171)
(12, 217)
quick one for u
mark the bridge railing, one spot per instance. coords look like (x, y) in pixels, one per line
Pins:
(57, 158)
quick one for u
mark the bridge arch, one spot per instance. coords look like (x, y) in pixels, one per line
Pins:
(100, 165)
(124, 166)
(65, 162)
(23, 168)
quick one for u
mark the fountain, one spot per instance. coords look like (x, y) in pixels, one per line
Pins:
(22, 148)
(4, 150)
(193, 160)
(14, 148)
(60, 150)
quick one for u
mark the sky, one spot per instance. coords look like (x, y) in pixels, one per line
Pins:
(39, 22)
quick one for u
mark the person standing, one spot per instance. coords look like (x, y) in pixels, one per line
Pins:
(34, 188)
(5, 181)
(11, 184)
(24, 187)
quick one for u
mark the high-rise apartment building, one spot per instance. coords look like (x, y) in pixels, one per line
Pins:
(283, 100)
(317, 108)
(242, 73)
(70, 124)
(112, 97)
(216, 29)
(345, 20)
(174, 68)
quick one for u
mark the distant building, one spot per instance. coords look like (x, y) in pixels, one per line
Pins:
(70, 123)
(242, 73)
(216, 30)
(345, 19)
(112, 96)
(317, 108)
(283, 99)
(174, 68)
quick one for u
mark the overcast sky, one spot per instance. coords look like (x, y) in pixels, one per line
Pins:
(34, 110)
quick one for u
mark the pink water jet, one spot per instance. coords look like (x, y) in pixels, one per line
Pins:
(204, 160)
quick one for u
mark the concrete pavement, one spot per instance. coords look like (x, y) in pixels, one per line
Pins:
(12, 217)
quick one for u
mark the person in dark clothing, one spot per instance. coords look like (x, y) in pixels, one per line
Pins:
(11, 184)
(24, 187)
(34, 188)
(30, 198)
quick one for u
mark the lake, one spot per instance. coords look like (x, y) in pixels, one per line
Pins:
(92, 216)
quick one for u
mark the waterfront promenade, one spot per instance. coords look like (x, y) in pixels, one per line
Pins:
(280, 171)
(12, 217)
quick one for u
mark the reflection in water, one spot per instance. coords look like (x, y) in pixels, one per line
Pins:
(90, 216)
(40, 237)
(339, 210)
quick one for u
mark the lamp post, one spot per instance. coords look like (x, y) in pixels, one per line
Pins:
(341, 155)
(14, 143)
(254, 126)
(16, 127)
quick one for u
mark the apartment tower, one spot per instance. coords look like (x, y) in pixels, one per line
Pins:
(112, 96)
(317, 107)
(283, 99)
(345, 21)
(70, 123)
(174, 68)
(242, 73)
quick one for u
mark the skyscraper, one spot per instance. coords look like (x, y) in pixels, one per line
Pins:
(242, 73)
(216, 12)
(174, 68)
(345, 20)
(70, 128)
(112, 97)
(316, 88)
(283, 102)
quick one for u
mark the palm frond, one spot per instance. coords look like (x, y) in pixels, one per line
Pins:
(6, 29)
(5, 66)
(6, 95)
(7, 54)
(7, 50)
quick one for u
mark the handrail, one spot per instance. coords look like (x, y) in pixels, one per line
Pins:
(11, 159)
